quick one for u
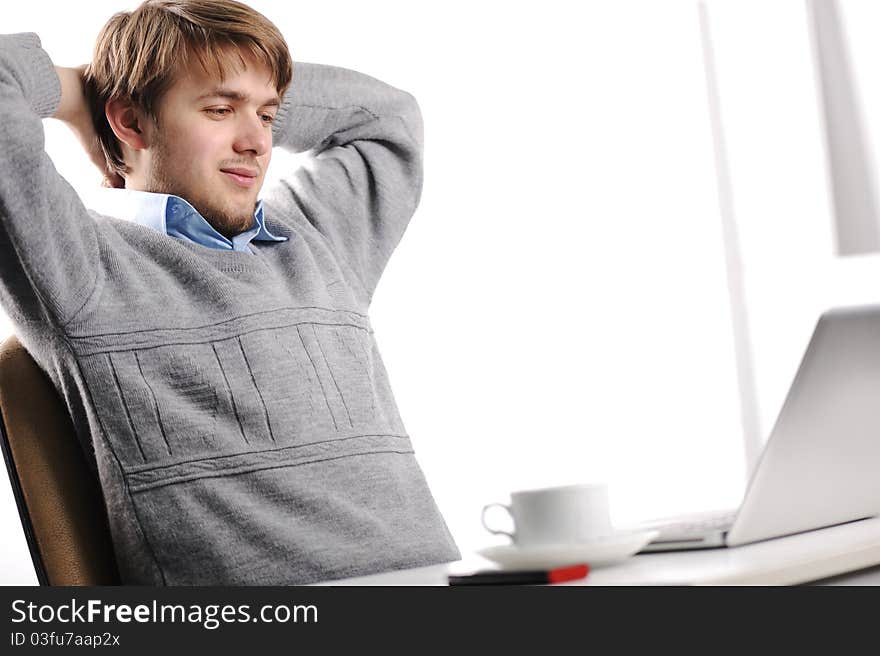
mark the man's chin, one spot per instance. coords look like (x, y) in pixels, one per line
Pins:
(228, 224)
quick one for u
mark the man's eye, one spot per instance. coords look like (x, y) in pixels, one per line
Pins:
(219, 111)
(268, 118)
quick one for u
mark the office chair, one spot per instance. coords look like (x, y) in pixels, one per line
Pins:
(58, 496)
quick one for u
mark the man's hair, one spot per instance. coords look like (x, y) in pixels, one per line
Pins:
(138, 55)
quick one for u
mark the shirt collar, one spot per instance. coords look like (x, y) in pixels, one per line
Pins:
(174, 216)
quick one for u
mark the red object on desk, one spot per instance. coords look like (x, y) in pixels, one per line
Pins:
(503, 577)
(562, 574)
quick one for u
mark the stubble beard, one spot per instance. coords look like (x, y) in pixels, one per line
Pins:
(223, 217)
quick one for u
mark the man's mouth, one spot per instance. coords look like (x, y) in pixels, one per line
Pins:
(243, 177)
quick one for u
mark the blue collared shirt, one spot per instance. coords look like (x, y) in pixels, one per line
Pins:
(175, 217)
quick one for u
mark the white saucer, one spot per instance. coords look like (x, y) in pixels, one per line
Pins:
(596, 553)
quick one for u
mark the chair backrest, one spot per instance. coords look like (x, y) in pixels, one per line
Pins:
(58, 496)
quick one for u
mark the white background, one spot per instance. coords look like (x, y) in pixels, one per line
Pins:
(557, 311)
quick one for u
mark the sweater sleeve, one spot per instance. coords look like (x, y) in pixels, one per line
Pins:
(48, 242)
(362, 179)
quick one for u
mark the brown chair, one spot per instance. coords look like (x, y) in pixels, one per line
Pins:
(58, 496)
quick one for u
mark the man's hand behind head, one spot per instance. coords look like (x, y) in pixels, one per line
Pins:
(74, 111)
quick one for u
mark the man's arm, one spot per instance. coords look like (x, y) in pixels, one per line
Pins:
(49, 263)
(364, 182)
(74, 111)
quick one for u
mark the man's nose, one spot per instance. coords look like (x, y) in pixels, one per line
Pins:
(254, 136)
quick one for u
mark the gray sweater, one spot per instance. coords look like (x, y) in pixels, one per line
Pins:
(234, 406)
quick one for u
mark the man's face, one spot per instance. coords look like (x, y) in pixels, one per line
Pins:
(213, 143)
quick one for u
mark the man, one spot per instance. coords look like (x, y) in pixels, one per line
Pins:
(214, 348)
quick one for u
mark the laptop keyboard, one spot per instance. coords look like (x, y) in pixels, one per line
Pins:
(693, 525)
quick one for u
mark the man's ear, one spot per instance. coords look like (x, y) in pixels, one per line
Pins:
(127, 123)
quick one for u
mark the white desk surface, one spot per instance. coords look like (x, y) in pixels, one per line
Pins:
(789, 560)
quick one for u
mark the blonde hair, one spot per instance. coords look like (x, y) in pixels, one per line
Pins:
(138, 54)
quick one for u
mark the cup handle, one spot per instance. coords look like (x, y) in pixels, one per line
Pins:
(493, 530)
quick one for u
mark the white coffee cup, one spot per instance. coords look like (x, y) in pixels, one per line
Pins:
(569, 514)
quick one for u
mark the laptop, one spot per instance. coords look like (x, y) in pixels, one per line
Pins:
(820, 465)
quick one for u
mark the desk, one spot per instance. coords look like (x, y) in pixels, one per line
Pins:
(852, 549)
